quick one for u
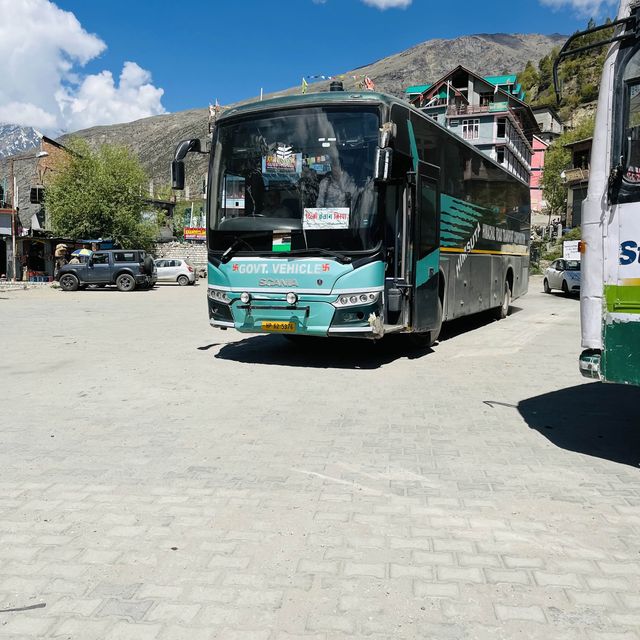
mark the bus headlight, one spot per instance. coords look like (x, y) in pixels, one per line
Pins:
(219, 296)
(292, 298)
(245, 297)
(353, 300)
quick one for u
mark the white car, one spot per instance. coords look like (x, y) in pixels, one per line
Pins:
(175, 270)
(564, 275)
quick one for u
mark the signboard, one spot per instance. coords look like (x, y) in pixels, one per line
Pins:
(195, 233)
(326, 218)
(571, 250)
(283, 161)
(5, 224)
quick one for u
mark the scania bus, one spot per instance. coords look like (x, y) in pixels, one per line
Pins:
(356, 215)
(610, 289)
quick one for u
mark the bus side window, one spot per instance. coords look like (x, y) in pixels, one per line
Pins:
(627, 129)
(632, 132)
(428, 219)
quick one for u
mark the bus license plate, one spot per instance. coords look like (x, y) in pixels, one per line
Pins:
(279, 327)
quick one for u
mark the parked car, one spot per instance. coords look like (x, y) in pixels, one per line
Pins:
(175, 270)
(127, 269)
(564, 275)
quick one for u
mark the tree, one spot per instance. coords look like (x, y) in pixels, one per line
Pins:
(99, 194)
(556, 160)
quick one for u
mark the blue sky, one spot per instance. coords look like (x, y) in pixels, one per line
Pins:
(198, 50)
(105, 61)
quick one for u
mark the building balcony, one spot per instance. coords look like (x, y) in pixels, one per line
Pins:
(572, 176)
(471, 109)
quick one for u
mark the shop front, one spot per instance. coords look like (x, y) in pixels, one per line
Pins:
(6, 244)
(38, 257)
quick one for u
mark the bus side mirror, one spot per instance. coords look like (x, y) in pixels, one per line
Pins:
(177, 166)
(615, 182)
(177, 174)
(382, 170)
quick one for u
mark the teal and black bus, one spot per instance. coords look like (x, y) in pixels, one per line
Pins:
(355, 214)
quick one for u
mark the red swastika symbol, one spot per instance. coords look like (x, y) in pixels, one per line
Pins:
(325, 267)
(235, 267)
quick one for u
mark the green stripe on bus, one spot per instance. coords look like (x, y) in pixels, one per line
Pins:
(414, 146)
(427, 267)
(621, 355)
(622, 299)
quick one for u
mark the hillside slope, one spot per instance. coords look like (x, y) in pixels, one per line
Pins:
(153, 139)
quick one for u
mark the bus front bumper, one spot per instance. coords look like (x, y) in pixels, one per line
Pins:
(311, 318)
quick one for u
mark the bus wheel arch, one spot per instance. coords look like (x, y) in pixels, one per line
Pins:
(509, 278)
(507, 295)
(442, 293)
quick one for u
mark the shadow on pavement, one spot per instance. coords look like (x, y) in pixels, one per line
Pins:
(595, 419)
(323, 353)
(454, 328)
(342, 353)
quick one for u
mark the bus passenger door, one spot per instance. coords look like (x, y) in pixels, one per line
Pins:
(426, 310)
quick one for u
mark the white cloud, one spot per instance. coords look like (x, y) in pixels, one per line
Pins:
(42, 52)
(99, 100)
(583, 7)
(388, 4)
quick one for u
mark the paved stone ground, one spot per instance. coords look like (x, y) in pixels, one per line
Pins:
(163, 480)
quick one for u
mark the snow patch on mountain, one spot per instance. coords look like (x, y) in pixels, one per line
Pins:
(15, 139)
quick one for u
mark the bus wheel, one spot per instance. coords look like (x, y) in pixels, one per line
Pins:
(503, 310)
(427, 339)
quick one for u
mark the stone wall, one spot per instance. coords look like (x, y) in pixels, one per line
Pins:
(196, 252)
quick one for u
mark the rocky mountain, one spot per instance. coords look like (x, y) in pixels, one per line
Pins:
(486, 54)
(15, 139)
(154, 139)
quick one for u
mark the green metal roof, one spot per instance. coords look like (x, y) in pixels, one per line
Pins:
(417, 88)
(510, 79)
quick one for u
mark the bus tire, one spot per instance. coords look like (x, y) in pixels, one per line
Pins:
(503, 310)
(426, 339)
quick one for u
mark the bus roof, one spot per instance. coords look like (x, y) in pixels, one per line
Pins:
(313, 99)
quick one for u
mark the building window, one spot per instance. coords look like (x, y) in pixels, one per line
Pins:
(502, 128)
(500, 155)
(471, 129)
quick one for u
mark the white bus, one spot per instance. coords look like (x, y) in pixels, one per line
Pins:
(610, 293)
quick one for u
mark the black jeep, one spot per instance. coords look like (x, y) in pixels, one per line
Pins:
(127, 269)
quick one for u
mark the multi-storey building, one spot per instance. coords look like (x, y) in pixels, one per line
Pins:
(487, 112)
(576, 177)
(550, 123)
(537, 165)
(25, 245)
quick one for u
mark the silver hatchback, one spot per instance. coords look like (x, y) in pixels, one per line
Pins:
(175, 270)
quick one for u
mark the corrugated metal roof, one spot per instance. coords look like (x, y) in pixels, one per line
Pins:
(417, 88)
(509, 79)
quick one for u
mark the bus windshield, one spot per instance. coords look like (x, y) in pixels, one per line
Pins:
(296, 179)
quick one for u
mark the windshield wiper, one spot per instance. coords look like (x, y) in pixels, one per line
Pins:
(340, 257)
(237, 243)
